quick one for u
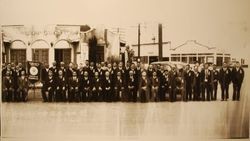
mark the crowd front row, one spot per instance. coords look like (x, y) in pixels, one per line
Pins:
(106, 82)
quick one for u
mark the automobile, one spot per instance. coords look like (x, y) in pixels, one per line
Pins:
(170, 64)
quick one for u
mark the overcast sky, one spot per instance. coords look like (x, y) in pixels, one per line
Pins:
(224, 24)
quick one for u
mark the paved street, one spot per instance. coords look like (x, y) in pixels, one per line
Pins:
(126, 121)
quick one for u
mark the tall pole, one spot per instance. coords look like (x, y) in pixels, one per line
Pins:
(139, 40)
(160, 41)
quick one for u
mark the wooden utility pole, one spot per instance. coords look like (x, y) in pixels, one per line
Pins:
(160, 41)
(139, 40)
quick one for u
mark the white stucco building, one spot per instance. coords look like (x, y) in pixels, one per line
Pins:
(48, 43)
(188, 52)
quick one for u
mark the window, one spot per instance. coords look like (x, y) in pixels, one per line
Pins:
(40, 55)
(153, 59)
(210, 59)
(219, 61)
(165, 59)
(226, 59)
(201, 60)
(175, 58)
(192, 60)
(18, 56)
(184, 59)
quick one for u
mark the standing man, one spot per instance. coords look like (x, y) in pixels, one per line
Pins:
(188, 78)
(197, 84)
(172, 84)
(225, 79)
(54, 69)
(215, 79)
(206, 79)
(238, 76)
(44, 77)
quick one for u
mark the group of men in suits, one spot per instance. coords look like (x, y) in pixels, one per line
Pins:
(203, 85)
(111, 82)
(14, 83)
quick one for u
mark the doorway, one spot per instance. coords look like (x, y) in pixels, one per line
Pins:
(63, 55)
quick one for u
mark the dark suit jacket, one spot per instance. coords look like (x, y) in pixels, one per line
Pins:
(237, 75)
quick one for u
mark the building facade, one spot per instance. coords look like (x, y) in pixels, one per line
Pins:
(189, 52)
(49, 43)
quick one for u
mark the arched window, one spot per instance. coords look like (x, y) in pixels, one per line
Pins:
(18, 52)
(40, 51)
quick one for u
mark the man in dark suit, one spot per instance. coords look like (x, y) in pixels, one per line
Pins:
(172, 84)
(85, 87)
(23, 87)
(197, 84)
(54, 69)
(100, 71)
(132, 92)
(96, 88)
(215, 80)
(60, 87)
(188, 78)
(206, 79)
(164, 86)
(238, 76)
(44, 77)
(225, 78)
(107, 87)
(73, 93)
(50, 86)
(7, 87)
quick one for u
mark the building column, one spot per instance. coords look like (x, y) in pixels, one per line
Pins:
(51, 55)
(215, 59)
(29, 53)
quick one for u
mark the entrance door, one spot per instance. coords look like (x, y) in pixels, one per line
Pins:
(63, 55)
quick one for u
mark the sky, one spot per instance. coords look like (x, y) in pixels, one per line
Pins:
(224, 24)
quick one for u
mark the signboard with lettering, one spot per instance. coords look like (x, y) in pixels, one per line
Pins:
(34, 71)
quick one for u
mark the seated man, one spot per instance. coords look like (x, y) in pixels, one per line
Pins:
(7, 86)
(23, 87)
